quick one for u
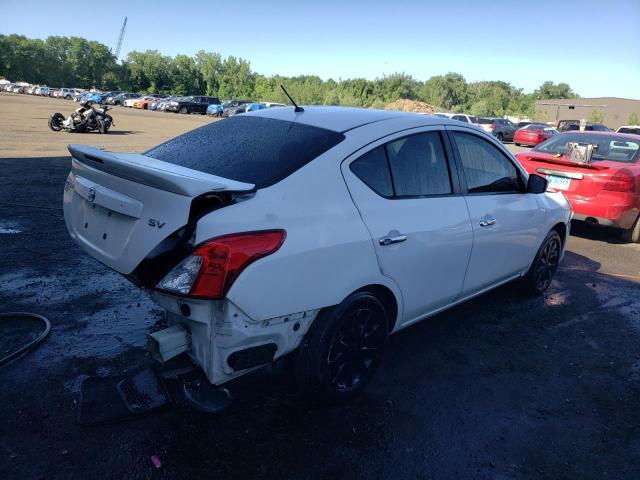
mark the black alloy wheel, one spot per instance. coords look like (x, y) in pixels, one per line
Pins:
(544, 266)
(342, 349)
(355, 349)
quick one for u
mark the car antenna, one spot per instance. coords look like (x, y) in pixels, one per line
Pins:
(297, 109)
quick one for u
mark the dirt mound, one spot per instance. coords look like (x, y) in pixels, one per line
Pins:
(404, 105)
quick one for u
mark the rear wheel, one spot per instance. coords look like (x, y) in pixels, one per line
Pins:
(516, 144)
(342, 350)
(499, 137)
(544, 267)
(632, 235)
(55, 122)
(184, 110)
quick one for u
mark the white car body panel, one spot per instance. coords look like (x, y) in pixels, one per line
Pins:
(114, 204)
(429, 266)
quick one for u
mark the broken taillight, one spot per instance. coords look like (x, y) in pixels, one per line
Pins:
(214, 265)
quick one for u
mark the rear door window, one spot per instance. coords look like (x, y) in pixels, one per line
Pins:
(413, 166)
(419, 166)
(256, 150)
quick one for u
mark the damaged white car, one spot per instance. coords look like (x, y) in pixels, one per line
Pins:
(318, 231)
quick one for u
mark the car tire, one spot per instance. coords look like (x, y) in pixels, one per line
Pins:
(544, 266)
(499, 137)
(632, 235)
(517, 144)
(184, 110)
(342, 349)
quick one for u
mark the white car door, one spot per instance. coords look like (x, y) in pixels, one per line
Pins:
(418, 220)
(505, 218)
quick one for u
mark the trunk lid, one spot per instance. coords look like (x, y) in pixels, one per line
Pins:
(585, 180)
(119, 206)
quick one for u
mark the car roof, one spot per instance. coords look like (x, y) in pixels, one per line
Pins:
(342, 119)
(607, 134)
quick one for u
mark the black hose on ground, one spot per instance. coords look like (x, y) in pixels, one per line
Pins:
(33, 343)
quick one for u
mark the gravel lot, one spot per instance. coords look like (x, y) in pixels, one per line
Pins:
(502, 387)
(23, 123)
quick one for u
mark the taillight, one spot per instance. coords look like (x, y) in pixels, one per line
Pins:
(492, 126)
(214, 265)
(622, 181)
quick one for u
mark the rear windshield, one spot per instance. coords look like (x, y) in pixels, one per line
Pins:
(485, 121)
(255, 150)
(635, 131)
(608, 147)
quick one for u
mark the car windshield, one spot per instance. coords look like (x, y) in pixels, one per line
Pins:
(608, 147)
(535, 126)
(256, 150)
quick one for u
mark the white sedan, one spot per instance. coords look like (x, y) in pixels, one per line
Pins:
(318, 231)
(130, 101)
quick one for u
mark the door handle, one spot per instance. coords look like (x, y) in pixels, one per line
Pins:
(487, 222)
(389, 239)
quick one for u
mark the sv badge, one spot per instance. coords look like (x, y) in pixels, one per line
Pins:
(156, 223)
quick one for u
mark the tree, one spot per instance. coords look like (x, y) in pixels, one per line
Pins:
(77, 62)
(395, 86)
(236, 80)
(448, 91)
(596, 117)
(550, 90)
(185, 77)
(149, 71)
(210, 66)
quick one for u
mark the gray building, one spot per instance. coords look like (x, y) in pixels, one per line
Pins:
(615, 111)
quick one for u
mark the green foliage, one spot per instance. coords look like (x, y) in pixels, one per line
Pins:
(596, 117)
(634, 119)
(76, 62)
(550, 90)
(449, 91)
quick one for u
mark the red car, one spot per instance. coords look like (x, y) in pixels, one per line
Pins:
(605, 191)
(533, 134)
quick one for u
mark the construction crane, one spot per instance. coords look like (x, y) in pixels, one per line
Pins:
(120, 38)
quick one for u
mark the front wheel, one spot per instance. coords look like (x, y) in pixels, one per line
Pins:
(184, 110)
(544, 267)
(632, 235)
(342, 349)
(55, 122)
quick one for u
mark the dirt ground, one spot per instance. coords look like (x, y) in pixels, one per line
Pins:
(503, 387)
(23, 123)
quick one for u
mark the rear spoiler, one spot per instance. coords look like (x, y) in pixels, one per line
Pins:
(155, 173)
(561, 161)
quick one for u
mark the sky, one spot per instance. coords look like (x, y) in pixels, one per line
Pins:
(594, 46)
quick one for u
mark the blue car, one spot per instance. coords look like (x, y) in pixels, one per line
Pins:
(252, 107)
(215, 110)
(93, 97)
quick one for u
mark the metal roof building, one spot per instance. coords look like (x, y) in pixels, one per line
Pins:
(615, 111)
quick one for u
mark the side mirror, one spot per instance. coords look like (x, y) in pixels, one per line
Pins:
(536, 184)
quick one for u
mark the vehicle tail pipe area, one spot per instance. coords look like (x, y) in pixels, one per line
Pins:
(168, 343)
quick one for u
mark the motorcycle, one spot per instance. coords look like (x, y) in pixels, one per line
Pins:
(83, 119)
